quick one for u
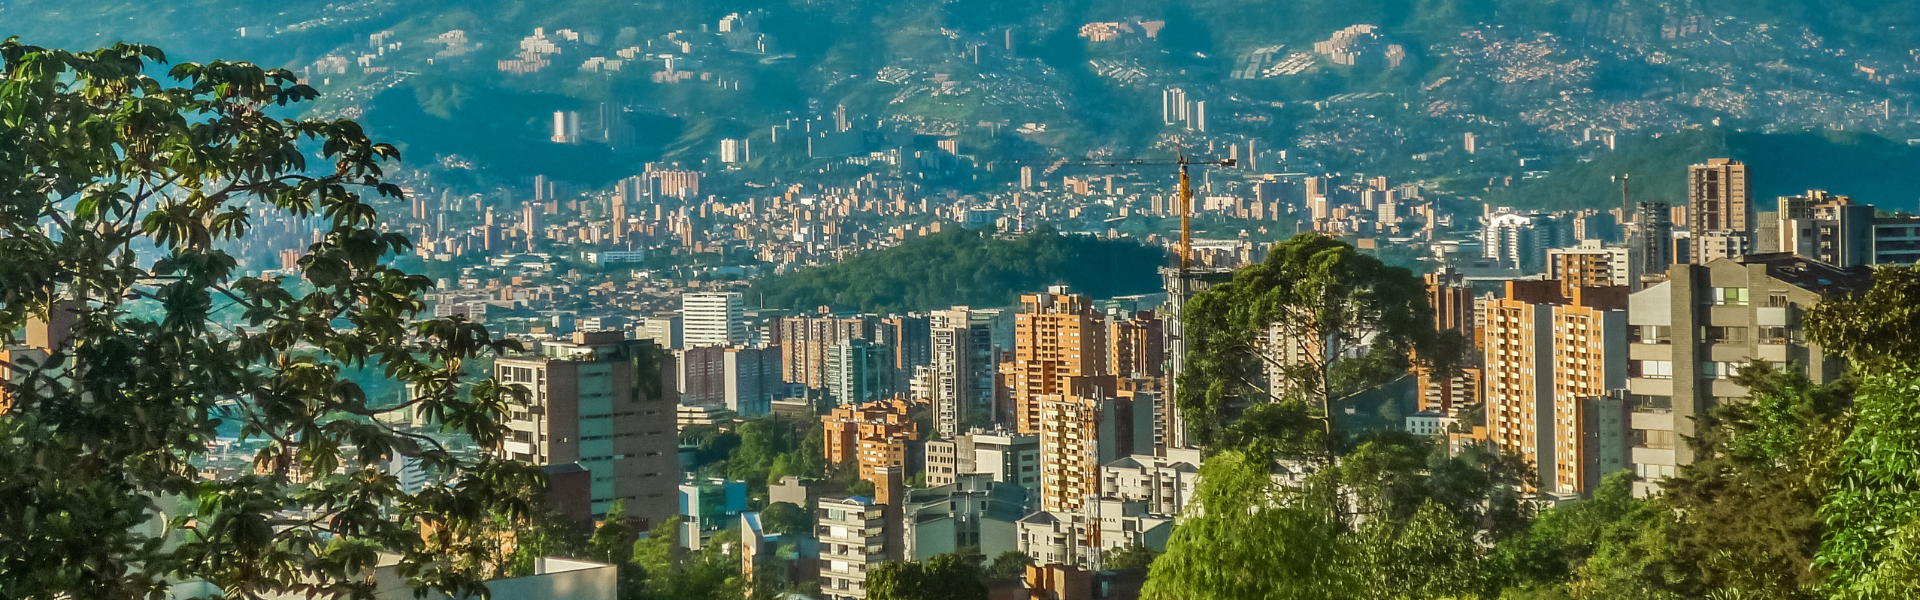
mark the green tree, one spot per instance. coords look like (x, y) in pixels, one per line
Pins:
(1247, 537)
(1750, 499)
(613, 540)
(942, 577)
(1320, 298)
(1134, 556)
(118, 191)
(1009, 566)
(785, 518)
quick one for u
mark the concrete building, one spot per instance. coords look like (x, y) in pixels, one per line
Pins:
(1691, 334)
(1714, 245)
(1165, 483)
(959, 381)
(1082, 430)
(713, 319)
(1005, 456)
(1717, 201)
(1896, 240)
(859, 371)
(872, 435)
(1652, 239)
(1592, 265)
(853, 539)
(974, 511)
(1827, 228)
(744, 380)
(1082, 538)
(1136, 346)
(1547, 353)
(591, 401)
(1181, 284)
(1057, 337)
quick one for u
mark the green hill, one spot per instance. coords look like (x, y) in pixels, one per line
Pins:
(1870, 168)
(972, 268)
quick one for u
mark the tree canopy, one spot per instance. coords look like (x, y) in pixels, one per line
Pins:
(117, 191)
(965, 267)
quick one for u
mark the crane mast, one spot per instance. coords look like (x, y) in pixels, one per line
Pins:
(1186, 215)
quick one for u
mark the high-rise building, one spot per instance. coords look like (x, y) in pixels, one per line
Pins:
(745, 380)
(1828, 228)
(1591, 265)
(805, 343)
(1597, 226)
(1094, 421)
(1136, 346)
(1181, 285)
(1690, 334)
(730, 151)
(1896, 240)
(566, 127)
(1519, 372)
(853, 539)
(713, 319)
(1652, 240)
(960, 386)
(1454, 309)
(1057, 337)
(859, 371)
(1517, 241)
(1589, 368)
(589, 401)
(1173, 105)
(1717, 201)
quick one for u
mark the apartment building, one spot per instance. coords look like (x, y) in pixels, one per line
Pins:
(604, 402)
(1690, 335)
(1057, 337)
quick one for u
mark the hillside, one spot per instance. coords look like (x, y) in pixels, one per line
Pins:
(972, 268)
(468, 89)
(1869, 168)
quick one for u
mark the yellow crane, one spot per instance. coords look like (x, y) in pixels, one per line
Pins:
(1186, 190)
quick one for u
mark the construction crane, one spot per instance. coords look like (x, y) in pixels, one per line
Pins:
(1186, 190)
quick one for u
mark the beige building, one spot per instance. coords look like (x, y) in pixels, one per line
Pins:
(1717, 201)
(1057, 337)
(604, 402)
(1689, 335)
(1547, 356)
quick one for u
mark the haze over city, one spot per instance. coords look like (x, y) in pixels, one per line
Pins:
(917, 300)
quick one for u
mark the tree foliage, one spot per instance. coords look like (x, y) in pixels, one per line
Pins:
(1316, 298)
(973, 268)
(117, 192)
(943, 577)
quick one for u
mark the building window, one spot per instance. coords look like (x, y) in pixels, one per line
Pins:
(1730, 296)
(1652, 369)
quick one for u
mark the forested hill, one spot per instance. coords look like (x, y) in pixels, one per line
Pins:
(973, 268)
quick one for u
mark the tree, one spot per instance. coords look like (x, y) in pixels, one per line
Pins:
(786, 518)
(118, 192)
(1134, 556)
(1248, 537)
(1009, 566)
(613, 540)
(1315, 298)
(943, 577)
(1877, 330)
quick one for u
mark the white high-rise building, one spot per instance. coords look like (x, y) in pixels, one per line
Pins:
(713, 319)
(566, 127)
(730, 151)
